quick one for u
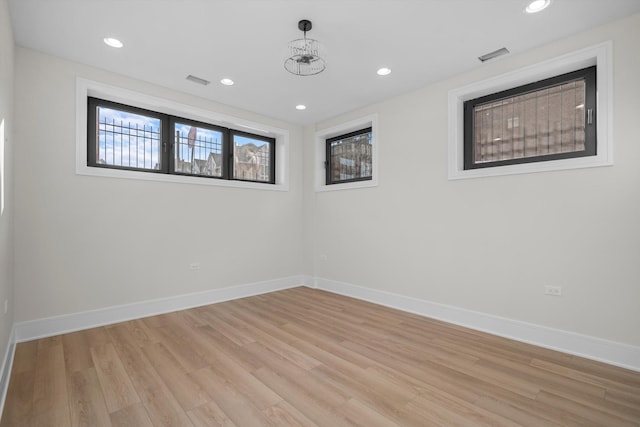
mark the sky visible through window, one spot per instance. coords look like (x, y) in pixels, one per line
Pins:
(128, 139)
(211, 138)
(132, 140)
(243, 140)
(251, 159)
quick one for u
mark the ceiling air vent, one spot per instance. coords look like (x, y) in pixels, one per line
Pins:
(494, 54)
(198, 80)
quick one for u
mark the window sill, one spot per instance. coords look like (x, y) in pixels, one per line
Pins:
(180, 179)
(347, 186)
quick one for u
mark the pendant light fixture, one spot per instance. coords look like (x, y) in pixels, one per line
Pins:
(304, 59)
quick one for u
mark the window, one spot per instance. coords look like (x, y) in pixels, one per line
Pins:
(125, 137)
(197, 149)
(347, 169)
(349, 157)
(253, 157)
(547, 120)
(600, 56)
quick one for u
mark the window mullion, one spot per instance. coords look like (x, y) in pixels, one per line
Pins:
(227, 153)
(167, 145)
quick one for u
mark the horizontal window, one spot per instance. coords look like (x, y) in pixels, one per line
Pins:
(547, 120)
(126, 137)
(541, 128)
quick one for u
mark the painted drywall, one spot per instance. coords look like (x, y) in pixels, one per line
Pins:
(492, 244)
(6, 176)
(84, 242)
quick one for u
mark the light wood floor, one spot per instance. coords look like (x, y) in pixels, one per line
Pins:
(304, 357)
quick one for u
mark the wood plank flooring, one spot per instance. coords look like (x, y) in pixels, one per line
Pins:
(303, 357)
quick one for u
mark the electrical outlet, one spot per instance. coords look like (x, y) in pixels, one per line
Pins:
(323, 257)
(555, 291)
(194, 266)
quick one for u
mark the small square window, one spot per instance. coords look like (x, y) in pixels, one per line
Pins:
(349, 157)
(547, 120)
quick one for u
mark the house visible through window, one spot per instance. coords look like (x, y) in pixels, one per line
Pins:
(252, 157)
(349, 157)
(197, 149)
(547, 120)
(126, 137)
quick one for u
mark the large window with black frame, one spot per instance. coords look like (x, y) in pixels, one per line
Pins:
(349, 157)
(126, 137)
(551, 119)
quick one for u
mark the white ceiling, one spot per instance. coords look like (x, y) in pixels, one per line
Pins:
(422, 41)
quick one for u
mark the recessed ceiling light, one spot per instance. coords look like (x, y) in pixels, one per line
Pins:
(301, 107)
(537, 5)
(384, 71)
(110, 41)
(227, 82)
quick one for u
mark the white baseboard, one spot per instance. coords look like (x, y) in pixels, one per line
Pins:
(5, 372)
(613, 353)
(41, 328)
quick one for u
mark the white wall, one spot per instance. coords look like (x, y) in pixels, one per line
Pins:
(6, 180)
(491, 244)
(84, 243)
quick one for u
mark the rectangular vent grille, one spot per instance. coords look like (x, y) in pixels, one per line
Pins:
(198, 80)
(494, 54)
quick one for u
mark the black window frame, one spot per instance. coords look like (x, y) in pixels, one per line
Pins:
(92, 104)
(328, 164)
(225, 149)
(168, 141)
(272, 155)
(589, 74)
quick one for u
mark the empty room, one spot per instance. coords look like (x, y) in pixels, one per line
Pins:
(319, 213)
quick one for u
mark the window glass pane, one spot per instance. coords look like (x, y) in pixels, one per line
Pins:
(251, 159)
(351, 157)
(545, 121)
(127, 139)
(197, 150)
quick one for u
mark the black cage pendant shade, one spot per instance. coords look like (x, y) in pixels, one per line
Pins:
(304, 54)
